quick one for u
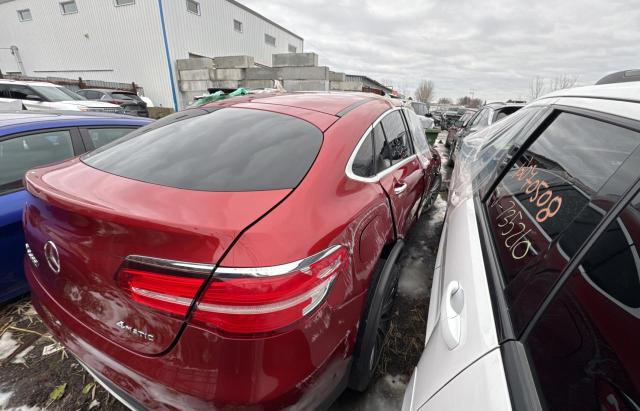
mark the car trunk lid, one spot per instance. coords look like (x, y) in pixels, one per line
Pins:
(96, 220)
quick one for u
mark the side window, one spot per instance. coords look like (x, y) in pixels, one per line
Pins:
(476, 120)
(550, 201)
(419, 138)
(92, 95)
(21, 92)
(19, 154)
(397, 136)
(363, 164)
(381, 149)
(4, 91)
(584, 346)
(102, 136)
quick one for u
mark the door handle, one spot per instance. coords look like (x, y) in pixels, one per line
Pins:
(451, 314)
(399, 189)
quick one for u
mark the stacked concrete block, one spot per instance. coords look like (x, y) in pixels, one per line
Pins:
(306, 85)
(194, 63)
(346, 85)
(257, 84)
(234, 62)
(195, 85)
(336, 76)
(261, 73)
(294, 60)
(227, 74)
(303, 73)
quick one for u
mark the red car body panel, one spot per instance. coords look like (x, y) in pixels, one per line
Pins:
(97, 219)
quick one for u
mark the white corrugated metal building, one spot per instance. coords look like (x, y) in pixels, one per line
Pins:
(132, 40)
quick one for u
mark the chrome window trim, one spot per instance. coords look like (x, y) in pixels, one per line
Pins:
(198, 268)
(349, 168)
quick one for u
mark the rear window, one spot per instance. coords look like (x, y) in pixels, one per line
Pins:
(231, 149)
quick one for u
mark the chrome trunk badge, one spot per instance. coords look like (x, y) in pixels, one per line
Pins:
(52, 256)
(142, 334)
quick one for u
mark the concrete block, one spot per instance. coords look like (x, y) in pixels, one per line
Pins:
(227, 74)
(306, 85)
(303, 73)
(294, 60)
(195, 85)
(194, 63)
(190, 75)
(261, 73)
(224, 84)
(234, 61)
(336, 76)
(255, 84)
(188, 97)
(346, 85)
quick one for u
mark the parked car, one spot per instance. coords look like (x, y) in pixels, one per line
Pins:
(33, 139)
(421, 109)
(449, 118)
(460, 124)
(244, 255)
(437, 118)
(536, 290)
(36, 95)
(131, 103)
(487, 115)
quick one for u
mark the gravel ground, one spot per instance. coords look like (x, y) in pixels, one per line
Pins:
(36, 373)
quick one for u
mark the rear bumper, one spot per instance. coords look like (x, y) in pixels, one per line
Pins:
(204, 370)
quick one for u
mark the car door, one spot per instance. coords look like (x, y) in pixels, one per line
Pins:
(404, 182)
(31, 99)
(18, 153)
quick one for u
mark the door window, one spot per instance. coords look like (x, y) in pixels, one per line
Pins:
(19, 154)
(550, 201)
(21, 92)
(397, 136)
(4, 91)
(363, 164)
(419, 138)
(584, 346)
(102, 136)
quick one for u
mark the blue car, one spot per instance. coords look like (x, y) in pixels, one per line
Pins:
(31, 139)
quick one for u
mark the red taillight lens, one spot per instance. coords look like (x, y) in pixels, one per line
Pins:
(257, 300)
(171, 294)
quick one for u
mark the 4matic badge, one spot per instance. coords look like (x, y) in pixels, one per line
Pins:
(142, 334)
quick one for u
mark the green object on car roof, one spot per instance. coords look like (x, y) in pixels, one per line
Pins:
(219, 95)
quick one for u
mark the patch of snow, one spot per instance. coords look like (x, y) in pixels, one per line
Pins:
(19, 359)
(7, 345)
(414, 278)
(4, 399)
(385, 394)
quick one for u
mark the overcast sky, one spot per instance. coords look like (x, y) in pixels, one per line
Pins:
(493, 47)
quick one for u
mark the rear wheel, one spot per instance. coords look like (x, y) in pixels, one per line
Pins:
(374, 326)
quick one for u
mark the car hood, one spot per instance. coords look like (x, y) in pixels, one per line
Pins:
(89, 104)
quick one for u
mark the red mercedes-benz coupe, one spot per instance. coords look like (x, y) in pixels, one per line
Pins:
(235, 255)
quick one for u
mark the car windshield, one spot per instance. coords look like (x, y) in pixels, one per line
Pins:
(51, 93)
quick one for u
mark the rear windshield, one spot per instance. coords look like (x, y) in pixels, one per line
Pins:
(231, 149)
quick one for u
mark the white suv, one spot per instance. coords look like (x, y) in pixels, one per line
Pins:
(47, 96)
(536, 292)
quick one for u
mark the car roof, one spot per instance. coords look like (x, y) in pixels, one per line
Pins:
(12, 119)
(333, 103)
(628, 91)
(28, 83)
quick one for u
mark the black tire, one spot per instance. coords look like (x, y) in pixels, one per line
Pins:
(375, 321)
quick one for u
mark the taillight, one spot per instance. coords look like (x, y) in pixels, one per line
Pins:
(257, 300)
(236, 300)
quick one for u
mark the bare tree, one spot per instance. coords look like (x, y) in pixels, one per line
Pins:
(536, 87)
(471, 102)
(425, 91)
(444, 100)
(562, 81)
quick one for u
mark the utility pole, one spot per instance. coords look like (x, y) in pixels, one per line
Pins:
(472, 92)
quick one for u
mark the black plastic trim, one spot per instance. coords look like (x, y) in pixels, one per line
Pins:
(522, 387)
(353, 106)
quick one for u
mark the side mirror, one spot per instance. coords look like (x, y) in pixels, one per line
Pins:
(33, 97)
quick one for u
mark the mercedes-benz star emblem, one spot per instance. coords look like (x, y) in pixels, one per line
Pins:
(52, 256)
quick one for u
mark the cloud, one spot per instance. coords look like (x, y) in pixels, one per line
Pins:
(493, 47)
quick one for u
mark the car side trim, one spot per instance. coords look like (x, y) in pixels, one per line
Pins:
(522, 386)
(349, 168)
